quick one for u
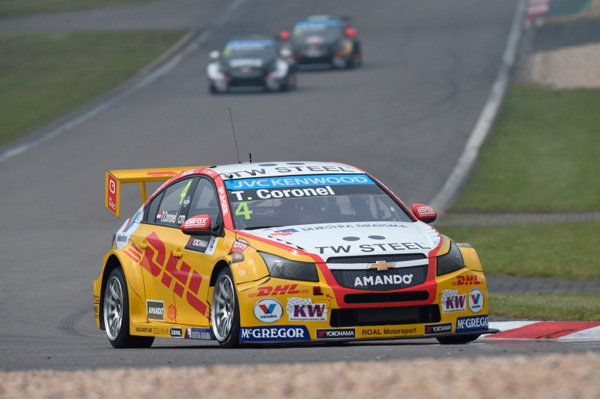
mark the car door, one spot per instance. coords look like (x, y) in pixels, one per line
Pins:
(158, 239)
(201, 252)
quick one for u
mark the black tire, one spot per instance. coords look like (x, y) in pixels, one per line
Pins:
(225, 311)
(115, 312)
(458, 339)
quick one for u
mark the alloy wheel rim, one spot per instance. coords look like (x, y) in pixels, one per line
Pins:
(223, 308)
(113, 308)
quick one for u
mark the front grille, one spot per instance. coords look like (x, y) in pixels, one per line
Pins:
(385, 316)
(376, 258)
(382, 297)
(374, 280)
(243, 82)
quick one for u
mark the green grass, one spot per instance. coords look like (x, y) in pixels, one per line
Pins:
(44, 76)
(542, 154)
(581, 307)
(21, 7)
(568, 250)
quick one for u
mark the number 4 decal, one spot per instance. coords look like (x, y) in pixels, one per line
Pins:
(242, 210)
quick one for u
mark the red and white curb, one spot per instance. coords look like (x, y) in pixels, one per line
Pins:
(546, 330)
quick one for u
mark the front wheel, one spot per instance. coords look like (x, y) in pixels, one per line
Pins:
(116, 314)
(225, 311)
(458, 339)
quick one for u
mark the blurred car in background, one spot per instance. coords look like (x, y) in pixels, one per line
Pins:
(324, 41)
(251, 61)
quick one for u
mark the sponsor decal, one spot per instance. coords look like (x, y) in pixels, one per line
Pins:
(303, 309)
(237, 257)
(97, 299)
(198, 333)
(239, 245)
(173, 272)
(372, 281)
(147, 330)
(268, 310)
(124, 234)
(374, 332)
(112, 194)
(223, 201)
(472, 323)
(274, 333)
(366, 248)
(426, 211)
(171, 312)
(468, 280)
(287, 289)
(155, 310)
(452, 301)
(166, 217)
(175, 332)
(438, 328)
(203, 244)
(283, 232)
(196, 222)
(476, 300)
(325, 333)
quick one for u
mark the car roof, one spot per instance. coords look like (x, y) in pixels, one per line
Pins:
(290, 168)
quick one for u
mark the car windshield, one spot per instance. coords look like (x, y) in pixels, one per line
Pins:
(312, 199)
(316, 32)
(250, 49)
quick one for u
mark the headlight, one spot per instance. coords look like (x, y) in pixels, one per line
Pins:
(290, 269)
(451, 261)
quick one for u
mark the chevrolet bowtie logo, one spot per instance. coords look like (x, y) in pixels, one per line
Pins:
(381, 266)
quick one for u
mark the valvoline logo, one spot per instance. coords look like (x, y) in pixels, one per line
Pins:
(268, 310)
(476, 300)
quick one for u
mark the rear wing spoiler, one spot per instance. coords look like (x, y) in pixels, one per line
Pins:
(114, 178)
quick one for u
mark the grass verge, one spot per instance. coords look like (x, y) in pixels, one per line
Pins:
(566, 250)
(541, 156)
(22, 7)
(45, 76)
(582, 307)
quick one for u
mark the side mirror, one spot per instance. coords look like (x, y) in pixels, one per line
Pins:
(199, 224)
(350, 32)
(214, 55)
(285, 35)
(424, 213)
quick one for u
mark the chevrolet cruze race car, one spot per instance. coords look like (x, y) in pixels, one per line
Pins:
(251, 61)
(324, 40)
(282, 252)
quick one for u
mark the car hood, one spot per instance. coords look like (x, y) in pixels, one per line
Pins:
(355, 239)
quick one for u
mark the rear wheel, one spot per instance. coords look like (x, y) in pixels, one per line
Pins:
(116, 314)
(225, 311)
(458, 339)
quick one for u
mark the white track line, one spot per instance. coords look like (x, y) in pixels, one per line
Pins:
(457, 178)
(138, 84)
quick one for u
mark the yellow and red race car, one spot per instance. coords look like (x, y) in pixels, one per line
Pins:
(282, 252)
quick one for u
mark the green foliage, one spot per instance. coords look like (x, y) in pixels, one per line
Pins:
(22, 7)
(581, 307)
(46, 75)
(566, 250)
(541, 156)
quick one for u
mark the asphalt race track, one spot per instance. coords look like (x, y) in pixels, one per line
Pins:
(405, 116)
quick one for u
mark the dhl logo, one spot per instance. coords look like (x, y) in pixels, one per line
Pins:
(468, 280)
(172, 272)
(288, 289)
